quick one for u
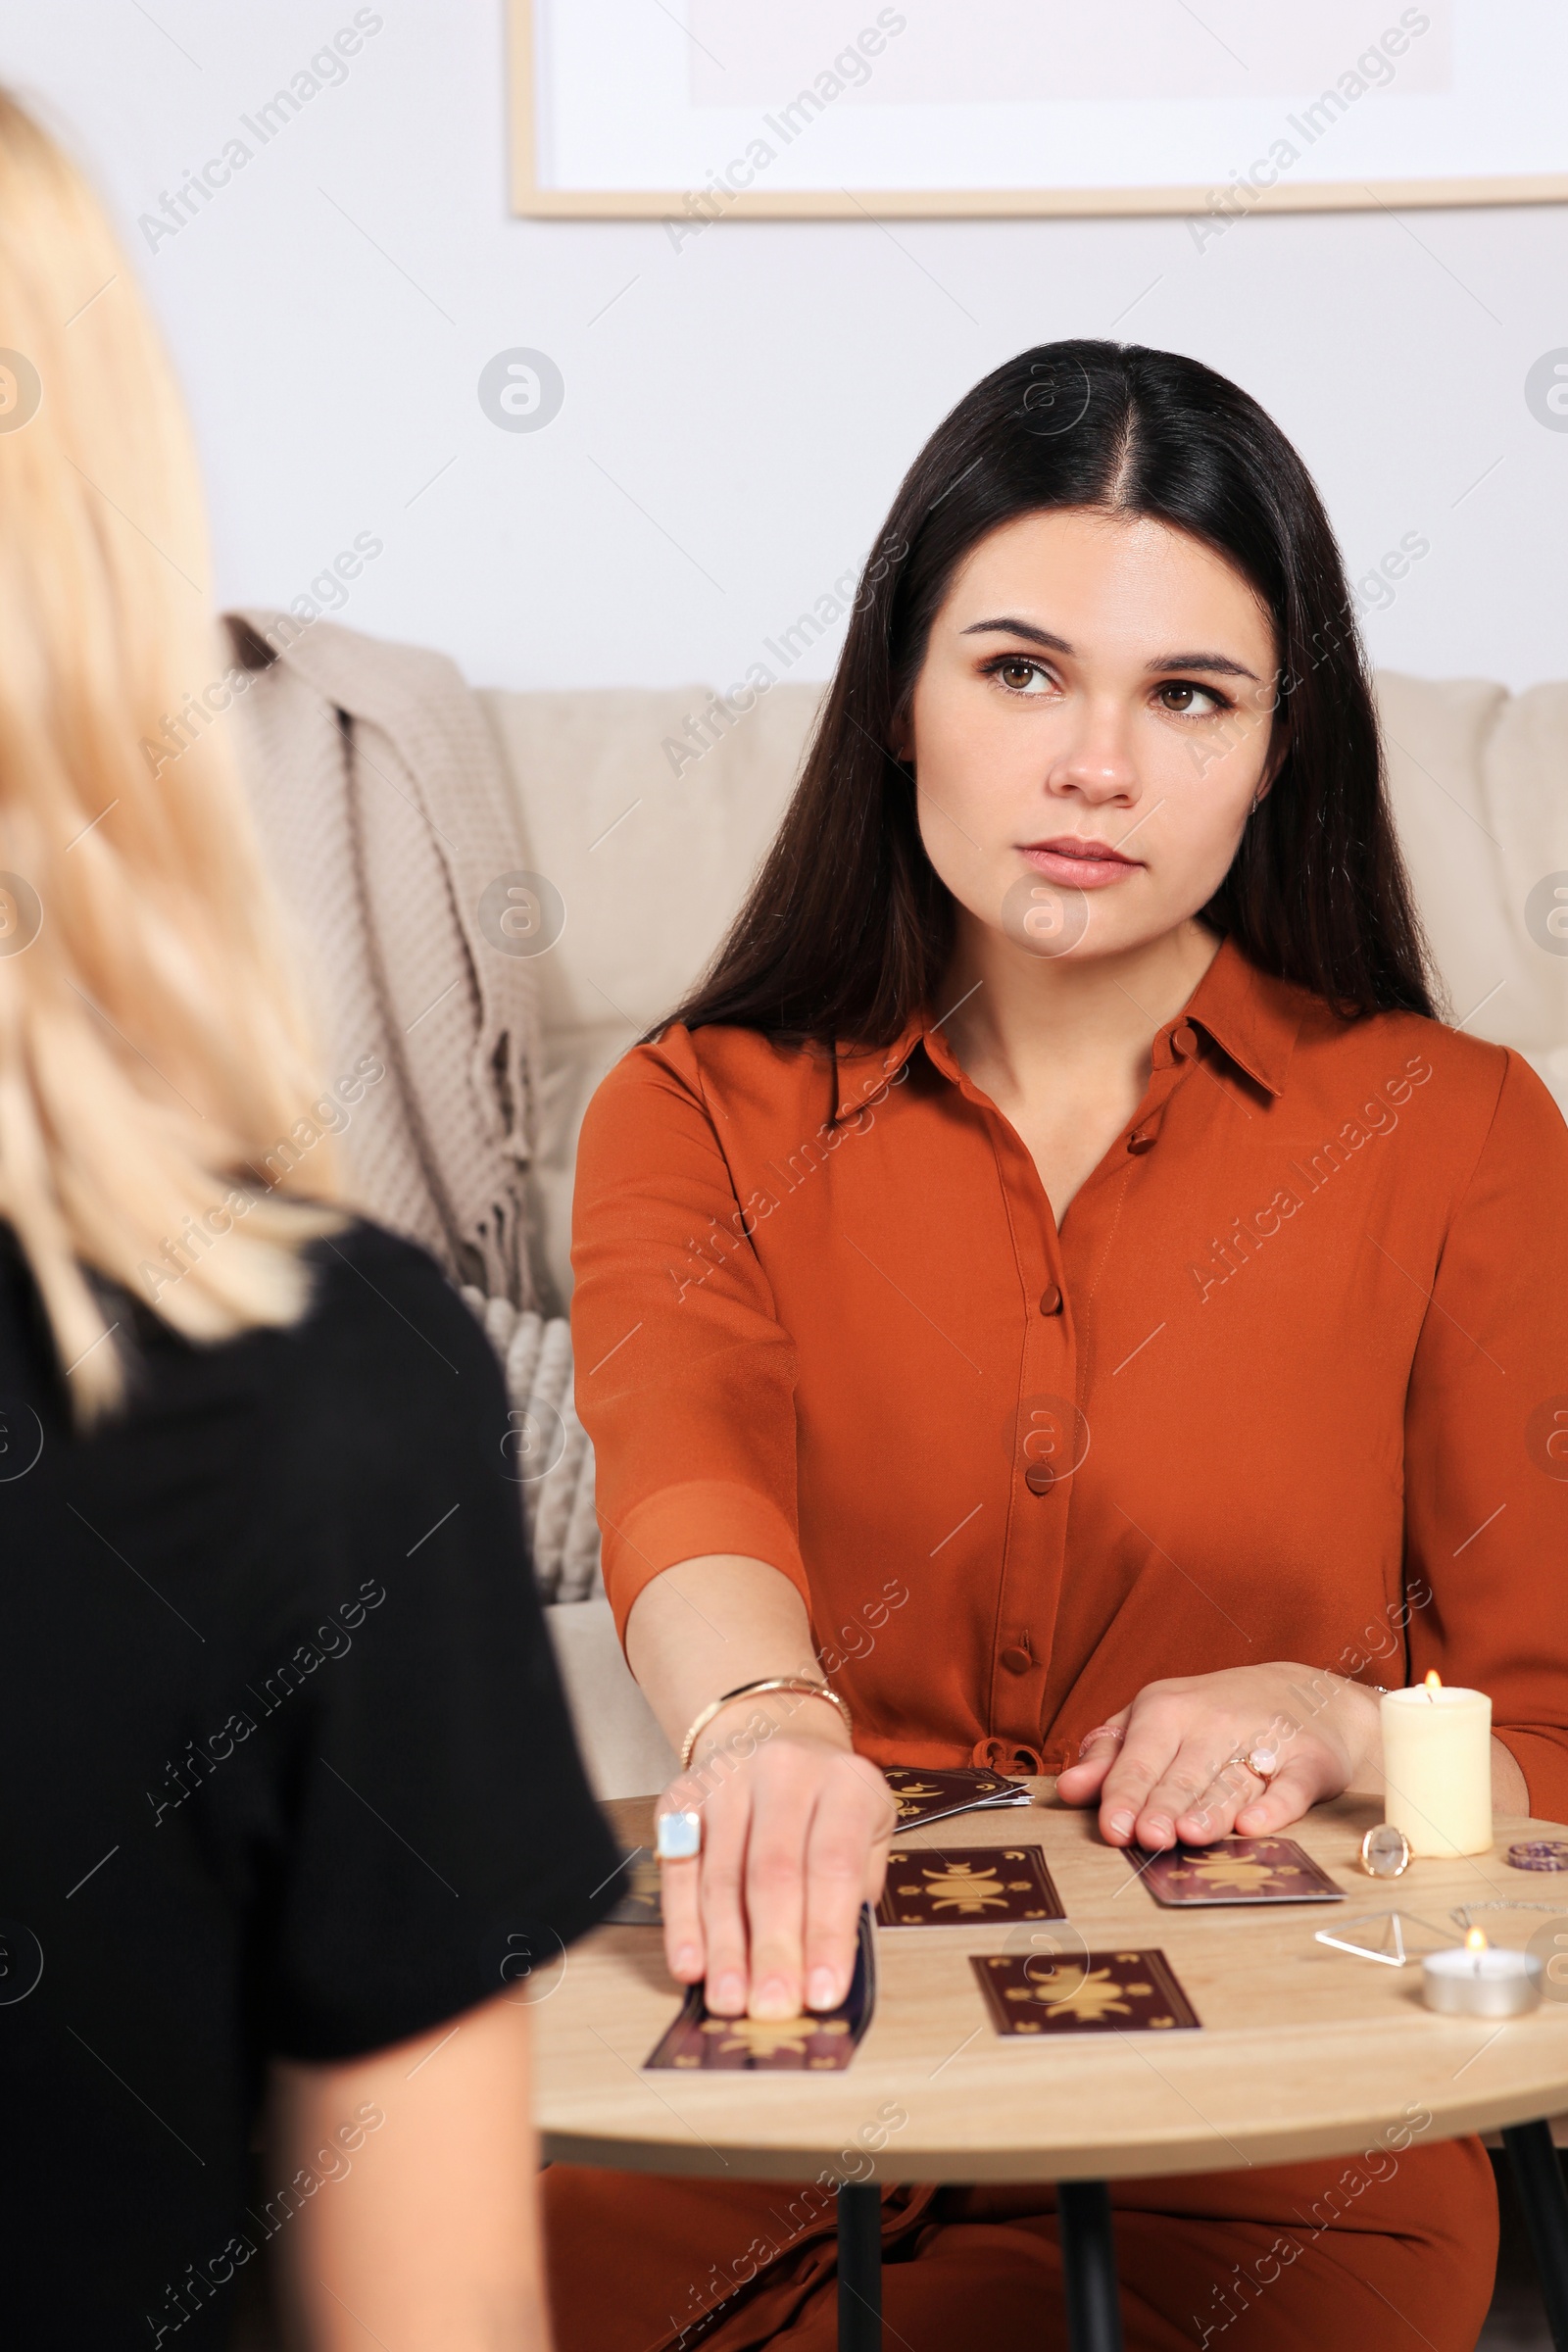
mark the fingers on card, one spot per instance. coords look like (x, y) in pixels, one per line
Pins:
(1093, 1992)
(927, 1889)
(638, 1904)
(813, 2043)
(923, 1796)
(1237, 1870)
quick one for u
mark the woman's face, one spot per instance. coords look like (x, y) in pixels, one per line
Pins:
(1088, 729)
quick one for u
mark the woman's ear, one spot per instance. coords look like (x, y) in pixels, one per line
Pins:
(1279, 751)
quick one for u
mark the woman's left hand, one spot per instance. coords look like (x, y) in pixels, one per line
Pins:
(1169, 1769)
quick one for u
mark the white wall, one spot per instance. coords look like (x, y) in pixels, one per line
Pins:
(739, 410)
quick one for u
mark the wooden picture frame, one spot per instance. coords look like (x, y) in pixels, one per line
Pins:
(536, 194)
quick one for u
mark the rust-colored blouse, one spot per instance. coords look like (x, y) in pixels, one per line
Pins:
(1288, 1382)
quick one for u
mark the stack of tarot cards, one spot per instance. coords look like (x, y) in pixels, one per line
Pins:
(814, 2042)
(926, 1797)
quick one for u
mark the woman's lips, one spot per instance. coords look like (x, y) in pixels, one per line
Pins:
(1083, 871)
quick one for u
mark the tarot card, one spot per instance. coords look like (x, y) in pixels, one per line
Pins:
(1090, 1992)
(929, 1889)
(812, 2043)
(1237, 1870)
(924, 1797)
(638, 1904)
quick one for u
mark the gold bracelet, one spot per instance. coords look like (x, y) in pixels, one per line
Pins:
(775, 1682)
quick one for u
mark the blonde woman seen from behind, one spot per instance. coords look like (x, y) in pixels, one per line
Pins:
(288, 1776)
(151, 1047)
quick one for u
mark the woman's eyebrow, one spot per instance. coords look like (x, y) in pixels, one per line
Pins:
(1221, 663)
(1006, 625)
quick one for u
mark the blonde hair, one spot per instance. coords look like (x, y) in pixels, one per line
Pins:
(152, 1047)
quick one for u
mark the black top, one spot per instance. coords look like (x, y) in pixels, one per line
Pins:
(285, 1767)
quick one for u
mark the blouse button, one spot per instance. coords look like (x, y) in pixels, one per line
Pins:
(1141, 1141)
(1039, 1478)
(1016, 1660)
(1185, 1040)
(1050, 1299)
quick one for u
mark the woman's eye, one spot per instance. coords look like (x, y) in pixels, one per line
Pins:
(1021, 676)
(1189, 701)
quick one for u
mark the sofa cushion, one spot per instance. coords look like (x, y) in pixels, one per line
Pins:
(1476, 775)
(651, 840)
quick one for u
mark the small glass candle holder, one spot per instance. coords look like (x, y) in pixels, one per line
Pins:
(1477, 1978)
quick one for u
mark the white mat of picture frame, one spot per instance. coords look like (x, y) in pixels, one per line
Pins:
(627, 111)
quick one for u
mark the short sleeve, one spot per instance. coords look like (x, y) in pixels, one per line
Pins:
(435, 1840)
(685, 1377)
(1487, 1441)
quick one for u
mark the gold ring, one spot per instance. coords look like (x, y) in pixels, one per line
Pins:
(1262, 1762)
(1385, 1851)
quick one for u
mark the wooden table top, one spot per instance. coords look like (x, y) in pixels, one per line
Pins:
(1304, 2052)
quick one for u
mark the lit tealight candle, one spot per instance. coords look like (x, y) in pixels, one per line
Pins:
(1477, 1978)
(1437, 1768)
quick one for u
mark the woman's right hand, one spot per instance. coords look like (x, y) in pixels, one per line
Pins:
(796, 1829)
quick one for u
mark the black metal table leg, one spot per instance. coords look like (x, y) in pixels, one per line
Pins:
(1089, 2262)
(1546, 2207)
(860, 2266)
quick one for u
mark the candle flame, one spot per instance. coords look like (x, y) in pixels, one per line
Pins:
(1475, 1940)
(1433, 1683)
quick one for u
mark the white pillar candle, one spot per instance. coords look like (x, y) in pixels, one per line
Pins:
(1437, 1768)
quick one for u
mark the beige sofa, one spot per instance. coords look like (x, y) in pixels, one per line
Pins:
(650, 819)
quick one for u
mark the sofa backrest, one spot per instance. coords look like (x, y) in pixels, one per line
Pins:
(650, 819)
(1478, 780)
(650, 840)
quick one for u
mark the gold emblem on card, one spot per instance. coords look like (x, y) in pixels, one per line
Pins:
(767, 2036)
(1095, 1996)
(960, 1886)
(1235, 1871)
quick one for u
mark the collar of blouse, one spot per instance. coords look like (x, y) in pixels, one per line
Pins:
(1251, 1015)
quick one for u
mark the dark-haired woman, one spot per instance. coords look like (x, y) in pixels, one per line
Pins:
(1057, 1282)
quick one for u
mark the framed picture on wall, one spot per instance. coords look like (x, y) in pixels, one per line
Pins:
(698, 109)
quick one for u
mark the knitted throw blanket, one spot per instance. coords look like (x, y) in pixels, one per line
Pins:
(384, 815)
(549, 1453)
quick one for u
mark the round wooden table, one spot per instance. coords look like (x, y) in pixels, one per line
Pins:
(1304, 2052)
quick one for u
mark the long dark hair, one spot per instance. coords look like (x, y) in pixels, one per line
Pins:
(848, 928)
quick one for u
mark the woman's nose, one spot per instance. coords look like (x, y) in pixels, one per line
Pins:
(1098, 760)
